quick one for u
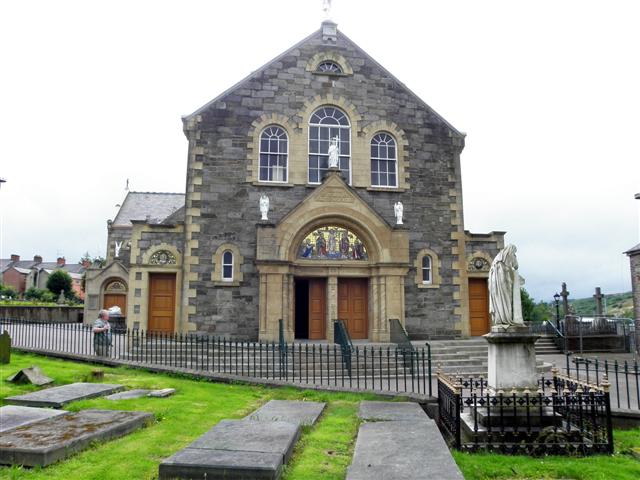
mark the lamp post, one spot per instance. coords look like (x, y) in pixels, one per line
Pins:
(556, 297)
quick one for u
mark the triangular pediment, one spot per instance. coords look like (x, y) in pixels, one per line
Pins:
(334, 193)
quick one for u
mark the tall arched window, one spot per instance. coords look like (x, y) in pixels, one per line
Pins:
(327, 123)
(384, 162)
(274, 150)
(426, 269)
(227, 266)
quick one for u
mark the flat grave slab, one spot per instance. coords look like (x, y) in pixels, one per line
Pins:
(403, 450)
(12, 416)
(391, 411)
(45, 442)
(165, 392)
(235, 449)
(128, 394)
(230, 465)
(301, 413)
(57, 397)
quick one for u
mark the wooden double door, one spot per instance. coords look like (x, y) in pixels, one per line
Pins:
(162, 302)
(478, 306)
(353, 300)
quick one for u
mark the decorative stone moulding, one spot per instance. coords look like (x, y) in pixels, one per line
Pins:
(162, 257)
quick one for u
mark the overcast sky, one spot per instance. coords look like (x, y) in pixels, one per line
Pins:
(548, 92)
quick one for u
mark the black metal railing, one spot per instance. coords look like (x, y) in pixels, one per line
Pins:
(400, 337)
(366, 367)
(561, 416)
(622, 375)
(343, 339)
(598, 334)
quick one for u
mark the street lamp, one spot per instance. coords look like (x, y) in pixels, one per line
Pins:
(556, 297)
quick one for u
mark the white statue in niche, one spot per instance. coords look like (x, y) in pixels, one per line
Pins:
(117, 247)
(334, 160)
(505, 306)
(398, 210)
(264, 206)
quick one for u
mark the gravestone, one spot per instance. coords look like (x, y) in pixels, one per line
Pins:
(32, 375)
(48, 441)
(5, 348)
(128, 395)
(391, 411)
(302, 413)
(57, 397)
(12, 416)
(162, 393)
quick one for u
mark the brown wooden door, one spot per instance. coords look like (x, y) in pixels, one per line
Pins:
(115, 300)
(317, 308)
(478, 306)
(353, 306)
(162, 302)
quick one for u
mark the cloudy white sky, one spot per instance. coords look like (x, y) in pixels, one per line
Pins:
(91, 93)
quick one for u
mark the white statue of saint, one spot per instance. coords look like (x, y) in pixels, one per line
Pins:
(505, 306)
(398, 210)
(334, 160)
(117, 247)
(264, 206)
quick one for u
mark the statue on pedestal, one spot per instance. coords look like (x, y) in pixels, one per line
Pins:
(334, 160)
(505, 305)
(398, 210)
(264, 206)
(117, 247)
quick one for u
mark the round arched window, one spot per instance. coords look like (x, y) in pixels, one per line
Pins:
(329, 67)
(328, 124)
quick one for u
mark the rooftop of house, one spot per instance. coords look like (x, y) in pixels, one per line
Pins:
(152, 207)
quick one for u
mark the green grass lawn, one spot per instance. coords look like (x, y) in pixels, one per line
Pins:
(323, 452)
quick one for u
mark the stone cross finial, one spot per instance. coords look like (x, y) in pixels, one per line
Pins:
(565, 302)
(598, 296)
(326, 8)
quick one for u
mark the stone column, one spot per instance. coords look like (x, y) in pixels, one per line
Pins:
(565, 299)
(332, 305)
(598, 296)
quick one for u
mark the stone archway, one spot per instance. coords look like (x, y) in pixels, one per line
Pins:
(279, 263)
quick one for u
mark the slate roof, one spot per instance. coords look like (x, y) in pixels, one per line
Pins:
(4, 263)
(154, 207)
(69, 267)
(633, 250)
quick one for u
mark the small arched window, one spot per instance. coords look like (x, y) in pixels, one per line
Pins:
(274, 152)
(384, 163)
(227, 266)
(329, 67)
(426, 269)
(325, 124)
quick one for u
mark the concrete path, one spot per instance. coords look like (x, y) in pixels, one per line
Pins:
(13, 416)
(57, 397)
(48, 441)
(399, 442)
(257, 447)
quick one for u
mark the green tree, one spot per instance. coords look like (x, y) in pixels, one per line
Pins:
(60, 280)
(8, 292)
(528, 306)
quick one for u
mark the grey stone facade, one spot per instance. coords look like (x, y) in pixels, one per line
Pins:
(228, 202)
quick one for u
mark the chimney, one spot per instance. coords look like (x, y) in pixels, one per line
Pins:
(15, 258)
(60, 261)
(37, 258)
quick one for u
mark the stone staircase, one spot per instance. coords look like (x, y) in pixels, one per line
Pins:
(466, 356)
(546, 345)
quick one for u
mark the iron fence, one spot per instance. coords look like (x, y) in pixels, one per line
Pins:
(562, 416)
(369, 367)
(622, 375)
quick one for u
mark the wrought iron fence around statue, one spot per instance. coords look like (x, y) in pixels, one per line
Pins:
(562, 416)
(380, 368)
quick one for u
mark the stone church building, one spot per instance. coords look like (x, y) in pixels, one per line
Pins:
(331, 246)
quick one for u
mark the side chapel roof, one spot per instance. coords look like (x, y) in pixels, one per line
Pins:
(153, 207)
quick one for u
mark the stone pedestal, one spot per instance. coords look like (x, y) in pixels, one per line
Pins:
(512, 359)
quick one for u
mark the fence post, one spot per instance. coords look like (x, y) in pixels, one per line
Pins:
(457, 395)
(607, 404)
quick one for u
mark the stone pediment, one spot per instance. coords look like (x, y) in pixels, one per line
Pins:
(333, 202)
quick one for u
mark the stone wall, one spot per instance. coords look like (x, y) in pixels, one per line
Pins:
(222, 199)
(60, 314)
(119, 234)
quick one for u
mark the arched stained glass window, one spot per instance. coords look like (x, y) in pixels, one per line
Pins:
(426, 269)
(329, 67)
(227, 266)
(274, 152)
(384, 162)
(327, 123)
(332, 242)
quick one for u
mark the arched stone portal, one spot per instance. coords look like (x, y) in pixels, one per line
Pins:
(381, 274)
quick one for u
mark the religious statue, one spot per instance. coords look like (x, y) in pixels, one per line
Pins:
(505, 306)
(333, 153)
(264, 206)
(344, 244)
(321, 245)
(118, 246)
(398, 209)
(326, 7)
